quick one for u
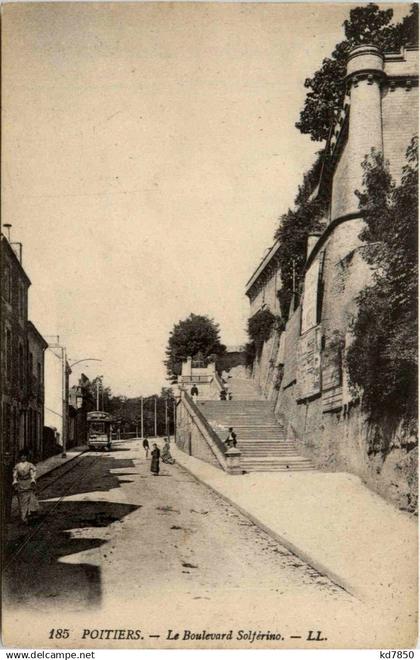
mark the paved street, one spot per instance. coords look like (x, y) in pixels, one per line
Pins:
(157, 553)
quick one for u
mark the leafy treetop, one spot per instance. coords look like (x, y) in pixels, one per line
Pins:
(367, 24)
(196, 335)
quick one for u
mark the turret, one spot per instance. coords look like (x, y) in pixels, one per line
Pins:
(365, 72)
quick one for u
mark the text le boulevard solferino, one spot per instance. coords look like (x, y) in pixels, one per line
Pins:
(250, 636)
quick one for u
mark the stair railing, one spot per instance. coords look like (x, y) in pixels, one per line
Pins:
(228, 459)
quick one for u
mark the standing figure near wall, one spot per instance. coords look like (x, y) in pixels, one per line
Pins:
(24, 482)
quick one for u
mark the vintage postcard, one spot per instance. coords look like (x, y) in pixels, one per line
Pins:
(208, 325)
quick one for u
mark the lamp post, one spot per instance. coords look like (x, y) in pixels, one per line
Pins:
(84, 360)
(65, 403)
(155, 417)
(142, 417)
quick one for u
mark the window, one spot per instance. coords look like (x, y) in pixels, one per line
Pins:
(96, 427)
(7, 283)
(39, 373)
(21, 300)
(7, 427)
(20, 367)
(313, 294)
(8, 354)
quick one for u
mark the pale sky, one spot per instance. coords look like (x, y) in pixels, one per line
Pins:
(148, 150)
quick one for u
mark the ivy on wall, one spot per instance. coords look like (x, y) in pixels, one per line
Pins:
(260, 326)
(292, 233)
(382, 359)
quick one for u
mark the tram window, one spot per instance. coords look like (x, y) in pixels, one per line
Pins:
(97, 427)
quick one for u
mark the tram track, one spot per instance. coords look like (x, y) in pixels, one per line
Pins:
(74, 463)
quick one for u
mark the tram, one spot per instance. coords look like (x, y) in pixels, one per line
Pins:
(99, 430)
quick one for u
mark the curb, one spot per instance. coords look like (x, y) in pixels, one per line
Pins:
(58, 465)
(301, 554)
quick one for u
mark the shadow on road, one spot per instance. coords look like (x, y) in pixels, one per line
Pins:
(41, 564)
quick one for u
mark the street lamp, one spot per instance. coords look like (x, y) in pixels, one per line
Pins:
(85, 360)
(65, 401)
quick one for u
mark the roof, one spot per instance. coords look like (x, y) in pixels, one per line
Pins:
(98, 416)
(13, 256)
(37, 334)
(262, 265)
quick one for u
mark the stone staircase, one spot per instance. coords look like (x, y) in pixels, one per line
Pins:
(243, 389)
(261, 439)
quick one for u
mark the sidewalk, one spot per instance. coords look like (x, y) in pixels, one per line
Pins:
(49, 464)
(331, 521)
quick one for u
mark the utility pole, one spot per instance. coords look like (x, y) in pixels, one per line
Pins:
(166, 417)
(294, 284)
(155, 416)
(174, 420)
(141, 419)
(97, 394)
(64, 395)
(294, 275)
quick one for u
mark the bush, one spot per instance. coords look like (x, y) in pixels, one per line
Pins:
(260, 326)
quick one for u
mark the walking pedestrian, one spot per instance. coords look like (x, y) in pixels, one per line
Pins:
(24, 482)
(194, 392)
(154, 466)
(146, 446)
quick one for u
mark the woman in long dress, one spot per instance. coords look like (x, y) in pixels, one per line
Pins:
(154, 465)
(24, 482)
(166, 454)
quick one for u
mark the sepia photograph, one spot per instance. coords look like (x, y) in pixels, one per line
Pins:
(209, 289)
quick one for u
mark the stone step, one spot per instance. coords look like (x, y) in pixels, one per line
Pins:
(269, 460)
(278, 469)
(261, 438)
(263, 446)
(263, 453)
(259, 430)
(247, 465)
(245, 422)
(251, 446)
(267, 444)
(256, 434)
(236, 403)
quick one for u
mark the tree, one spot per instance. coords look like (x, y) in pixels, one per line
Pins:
(196, 334)
(105, 394)
(293, 231)
(382, 360)
(367, 24)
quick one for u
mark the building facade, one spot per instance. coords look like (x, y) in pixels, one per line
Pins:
(80, 403)
(303, 368)
(14, 320)
(36, 392)
(57, 373)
